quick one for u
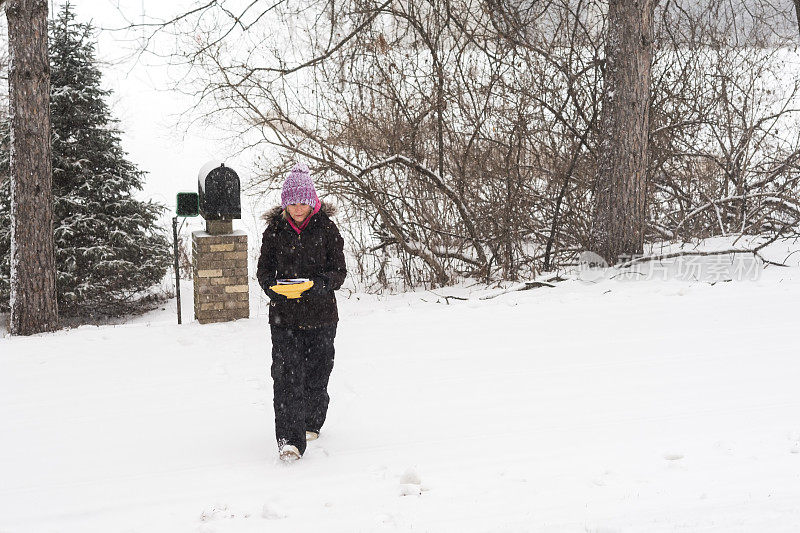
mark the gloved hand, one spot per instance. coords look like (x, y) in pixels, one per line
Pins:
(320, 288)
(274, 296)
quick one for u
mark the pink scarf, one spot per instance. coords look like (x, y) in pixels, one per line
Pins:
(306, 221)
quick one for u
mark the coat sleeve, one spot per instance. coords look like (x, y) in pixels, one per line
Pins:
(335, 267)
(267, 270)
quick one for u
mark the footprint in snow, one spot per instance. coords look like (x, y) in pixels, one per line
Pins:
(673, 456)
(219, 510)
(410, 476)
(410, 489)
(271, 511)
(386, 519)
(602, 480)
(411, 483)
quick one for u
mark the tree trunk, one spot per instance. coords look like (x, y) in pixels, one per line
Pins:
(33, 281)
(797, 12)
(619, 223)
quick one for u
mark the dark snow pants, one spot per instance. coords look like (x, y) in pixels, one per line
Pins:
(302, 361)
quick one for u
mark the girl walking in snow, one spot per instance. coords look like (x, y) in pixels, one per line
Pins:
(301, 241)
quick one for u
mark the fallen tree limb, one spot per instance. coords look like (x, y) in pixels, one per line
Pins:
(547, 281)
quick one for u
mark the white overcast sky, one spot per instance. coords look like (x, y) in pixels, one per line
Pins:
(147, 109)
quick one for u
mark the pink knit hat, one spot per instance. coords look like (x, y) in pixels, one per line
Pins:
(298, 188)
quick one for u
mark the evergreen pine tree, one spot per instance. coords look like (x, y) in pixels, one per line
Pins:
(109, 250)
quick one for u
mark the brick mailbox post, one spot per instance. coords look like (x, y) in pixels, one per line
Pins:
(219, 254)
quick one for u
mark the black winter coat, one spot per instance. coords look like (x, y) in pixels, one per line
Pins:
(317, 252)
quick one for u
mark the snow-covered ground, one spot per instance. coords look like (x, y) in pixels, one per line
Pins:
(613, 406)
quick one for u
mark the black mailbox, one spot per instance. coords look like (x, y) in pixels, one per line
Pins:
(218, 187)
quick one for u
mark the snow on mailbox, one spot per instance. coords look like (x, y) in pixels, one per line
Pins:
(218, 187)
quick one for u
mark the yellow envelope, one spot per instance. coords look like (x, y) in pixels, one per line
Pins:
(293, 290)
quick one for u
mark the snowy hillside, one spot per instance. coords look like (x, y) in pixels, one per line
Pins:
(612, 406)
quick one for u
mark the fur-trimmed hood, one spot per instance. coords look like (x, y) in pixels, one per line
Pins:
(277, 213)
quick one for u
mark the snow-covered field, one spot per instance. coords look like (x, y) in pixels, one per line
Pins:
(615, 406)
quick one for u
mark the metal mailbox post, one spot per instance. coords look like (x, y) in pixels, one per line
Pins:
(187, 205)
